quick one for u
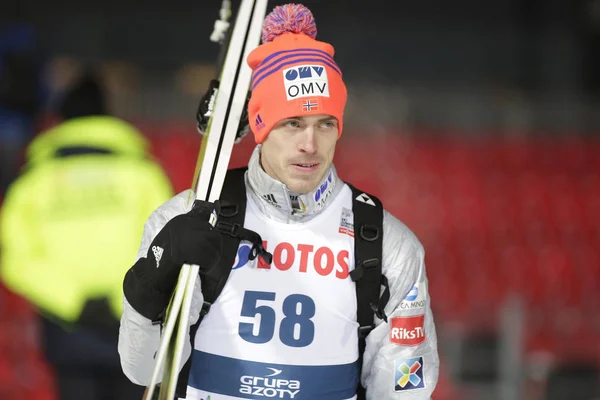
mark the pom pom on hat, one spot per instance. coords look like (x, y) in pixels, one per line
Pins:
(289, 18)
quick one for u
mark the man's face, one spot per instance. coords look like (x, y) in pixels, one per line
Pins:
(299, 150)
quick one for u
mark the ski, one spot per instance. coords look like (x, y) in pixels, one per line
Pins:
(211, 168)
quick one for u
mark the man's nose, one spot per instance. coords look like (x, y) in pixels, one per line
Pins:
(308, 142)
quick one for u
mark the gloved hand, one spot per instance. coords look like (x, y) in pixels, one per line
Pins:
(186, 239)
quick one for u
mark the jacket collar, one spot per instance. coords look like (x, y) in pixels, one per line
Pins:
(277, 200)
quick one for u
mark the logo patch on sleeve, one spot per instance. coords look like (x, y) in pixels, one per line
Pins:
(416, 297)
(408, 374)
(407, 331)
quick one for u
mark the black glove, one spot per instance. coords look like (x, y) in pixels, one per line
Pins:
(185, 239)
(206, 108)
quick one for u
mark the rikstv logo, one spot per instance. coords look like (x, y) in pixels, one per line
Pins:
(407, 331)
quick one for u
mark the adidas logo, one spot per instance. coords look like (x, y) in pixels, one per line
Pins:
(158, 252)
(271, 199)
(259, 123)
(364, 198)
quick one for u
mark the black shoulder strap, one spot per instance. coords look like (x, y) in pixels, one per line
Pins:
(231, 214)
(231, 217)
(368, 250)
(230, 222)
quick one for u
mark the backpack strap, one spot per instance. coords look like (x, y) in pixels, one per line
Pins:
(368, 250)
(232, 212)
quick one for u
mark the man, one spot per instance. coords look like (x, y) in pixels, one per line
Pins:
(288, 330)
(87, 188)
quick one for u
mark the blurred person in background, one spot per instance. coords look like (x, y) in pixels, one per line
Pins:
(87, 187)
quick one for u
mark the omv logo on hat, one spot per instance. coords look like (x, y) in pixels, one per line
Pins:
(306, 81)
(242, 256)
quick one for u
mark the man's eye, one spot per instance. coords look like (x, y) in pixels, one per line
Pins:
(328, 125)
(292, 124)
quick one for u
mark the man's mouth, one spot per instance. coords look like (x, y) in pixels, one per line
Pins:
(307, 165)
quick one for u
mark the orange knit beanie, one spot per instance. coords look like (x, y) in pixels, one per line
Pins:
(293, 74)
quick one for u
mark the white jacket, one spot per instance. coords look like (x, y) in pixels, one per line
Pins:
(400, 360)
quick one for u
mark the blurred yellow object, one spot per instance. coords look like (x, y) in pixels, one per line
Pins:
(72, 222)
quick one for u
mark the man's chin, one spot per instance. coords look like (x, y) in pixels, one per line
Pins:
(302, 185)
(304, 182)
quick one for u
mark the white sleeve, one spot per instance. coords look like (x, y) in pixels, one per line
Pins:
(401, 357)
(139, 339)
